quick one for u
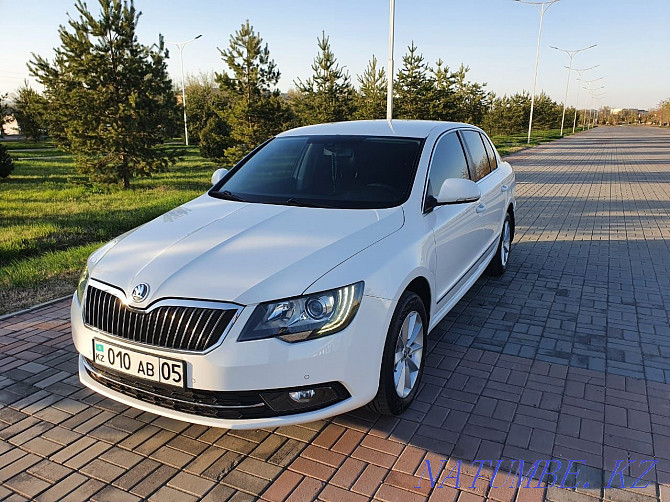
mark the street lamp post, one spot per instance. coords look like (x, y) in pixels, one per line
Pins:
(542, 8)
(588, 88)
(597, 97)
(571, 54)
(389, 82)
(580, 72)
(592, 96)
(180, 46)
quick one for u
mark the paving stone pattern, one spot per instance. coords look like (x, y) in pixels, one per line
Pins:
(566, 357)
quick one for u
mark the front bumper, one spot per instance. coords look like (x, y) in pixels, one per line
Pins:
(348, 361)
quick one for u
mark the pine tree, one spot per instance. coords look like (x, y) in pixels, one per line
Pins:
(328, 95)
(442, 100)
(371, 97)
(109, 96)
(472, 101)
(255, 111)
(414, 87)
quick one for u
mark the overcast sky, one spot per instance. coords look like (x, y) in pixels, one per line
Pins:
(496, 38)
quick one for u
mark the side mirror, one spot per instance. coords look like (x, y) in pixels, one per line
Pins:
(458, 191)
(218, 175)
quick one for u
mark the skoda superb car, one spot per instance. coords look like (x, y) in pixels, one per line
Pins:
(304, 283)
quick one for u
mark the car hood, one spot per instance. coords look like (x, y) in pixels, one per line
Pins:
(245, 253)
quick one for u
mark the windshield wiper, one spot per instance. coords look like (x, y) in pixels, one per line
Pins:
(296, 202)
(230, 196)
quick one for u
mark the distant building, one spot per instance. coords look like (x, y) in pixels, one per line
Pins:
(618, 111)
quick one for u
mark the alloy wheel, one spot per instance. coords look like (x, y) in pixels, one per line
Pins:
(505, 244)
(408, 354)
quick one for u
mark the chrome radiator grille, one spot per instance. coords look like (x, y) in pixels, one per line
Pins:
(174, 327)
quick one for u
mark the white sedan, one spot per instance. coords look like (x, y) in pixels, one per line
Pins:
(304, 283)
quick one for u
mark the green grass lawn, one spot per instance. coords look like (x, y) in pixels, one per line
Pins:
(52, 217)
(507, 144)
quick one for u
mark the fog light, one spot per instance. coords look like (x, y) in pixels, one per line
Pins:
(303, 399)
(302, 396)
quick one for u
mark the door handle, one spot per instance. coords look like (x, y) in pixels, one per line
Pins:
(481, 208)
(504, 188)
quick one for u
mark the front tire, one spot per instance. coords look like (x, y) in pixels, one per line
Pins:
(404, 356)
(500, 260)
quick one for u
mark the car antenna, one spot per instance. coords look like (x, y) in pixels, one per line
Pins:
(389, 86)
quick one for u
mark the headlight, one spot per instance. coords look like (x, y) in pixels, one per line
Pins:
(305, 317)
(81, 285)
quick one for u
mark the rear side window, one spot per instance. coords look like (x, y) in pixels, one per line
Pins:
(493, 160)
(480, 161)
(448, 162)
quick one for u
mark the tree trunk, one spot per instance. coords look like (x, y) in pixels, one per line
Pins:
(125, 172)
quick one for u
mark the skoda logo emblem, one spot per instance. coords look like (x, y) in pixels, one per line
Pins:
(140, 292)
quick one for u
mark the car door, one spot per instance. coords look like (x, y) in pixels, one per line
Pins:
(454, 225)
(499, 192)
(487, 215)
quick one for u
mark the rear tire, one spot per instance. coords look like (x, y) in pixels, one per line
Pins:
(500, 260)
(404, 356)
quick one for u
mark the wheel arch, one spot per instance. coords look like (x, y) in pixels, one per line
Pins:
(421, 287)
(510, 211)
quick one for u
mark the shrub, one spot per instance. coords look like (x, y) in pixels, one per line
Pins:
(6, 162)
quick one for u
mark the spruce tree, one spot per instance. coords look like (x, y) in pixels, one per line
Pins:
(328, 95)
(255, 111)
(414, 87)
(371, 97)
(109, 97)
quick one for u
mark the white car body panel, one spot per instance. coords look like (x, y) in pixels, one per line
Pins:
(246, 254)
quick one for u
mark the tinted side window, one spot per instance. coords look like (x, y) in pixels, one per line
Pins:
(480, 160)
(493, 160)
(448, 162)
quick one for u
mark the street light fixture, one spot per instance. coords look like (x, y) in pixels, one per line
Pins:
(571, 54)
(542, 8)
(180, 46)
(580, 72)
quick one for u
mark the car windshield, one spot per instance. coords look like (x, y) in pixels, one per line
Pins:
(326, 171)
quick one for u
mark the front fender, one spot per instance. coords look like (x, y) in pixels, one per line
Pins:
(387, 267)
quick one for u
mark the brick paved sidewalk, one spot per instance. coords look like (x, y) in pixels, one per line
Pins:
(566, 357)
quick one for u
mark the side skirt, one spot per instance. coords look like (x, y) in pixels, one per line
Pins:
(459, 289)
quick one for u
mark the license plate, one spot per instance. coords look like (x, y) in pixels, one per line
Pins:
(138, 364)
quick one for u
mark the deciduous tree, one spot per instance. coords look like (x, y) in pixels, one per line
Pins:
(29, 108)
(203, 100)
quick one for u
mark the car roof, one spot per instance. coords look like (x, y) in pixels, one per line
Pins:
(400, 128)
